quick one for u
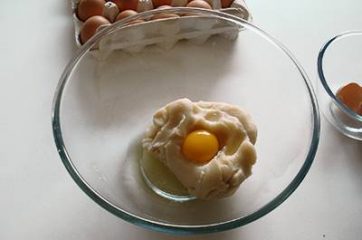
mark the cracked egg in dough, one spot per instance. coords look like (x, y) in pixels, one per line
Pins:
(208, 146)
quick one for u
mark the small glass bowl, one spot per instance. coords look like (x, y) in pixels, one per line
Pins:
(105, 101)
(340, 63)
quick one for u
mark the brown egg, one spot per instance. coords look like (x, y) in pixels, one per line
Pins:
(127, 13)
(90, 27)
(226, 3)
(158, 3)
(164, 15)
(126, 4)
(351, 96)
(199, 4)
(89, 8)
(124, 14)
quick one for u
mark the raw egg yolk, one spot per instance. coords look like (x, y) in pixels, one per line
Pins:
(200, 146)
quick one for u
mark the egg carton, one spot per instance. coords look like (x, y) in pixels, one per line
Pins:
(165, 32)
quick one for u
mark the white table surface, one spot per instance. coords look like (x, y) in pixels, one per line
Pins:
(39, 200)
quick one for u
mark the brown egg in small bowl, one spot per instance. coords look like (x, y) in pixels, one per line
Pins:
(340, 82)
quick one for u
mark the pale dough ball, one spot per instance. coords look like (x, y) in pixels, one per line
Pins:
(235, 130)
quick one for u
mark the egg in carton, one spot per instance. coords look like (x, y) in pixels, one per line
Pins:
(164, 32)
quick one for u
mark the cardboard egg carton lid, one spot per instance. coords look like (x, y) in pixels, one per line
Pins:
(165, 32)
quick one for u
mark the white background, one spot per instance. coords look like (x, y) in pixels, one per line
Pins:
(39, 200)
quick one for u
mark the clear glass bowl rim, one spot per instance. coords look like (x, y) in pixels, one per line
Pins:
(325, 47)
(173, 228)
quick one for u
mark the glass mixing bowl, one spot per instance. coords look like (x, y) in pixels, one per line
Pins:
(106, 98)
(339, 63)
